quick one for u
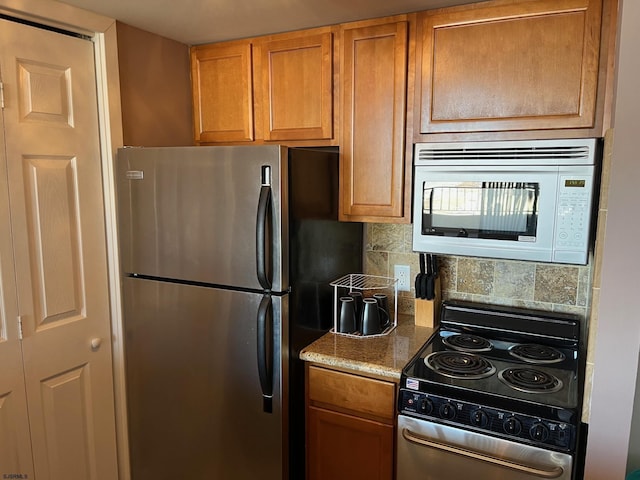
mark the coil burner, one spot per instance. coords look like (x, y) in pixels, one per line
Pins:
(530, 380)
(459, 365)
(534, 353)
(465, 342)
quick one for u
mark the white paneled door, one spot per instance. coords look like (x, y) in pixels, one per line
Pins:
(15, 443)
(55, 235)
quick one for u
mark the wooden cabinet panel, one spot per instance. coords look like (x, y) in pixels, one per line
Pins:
(374, 85)
(351, 392)
(350, 426)
(502, 66)
(297, 89)
(222, 83)
(347, 447)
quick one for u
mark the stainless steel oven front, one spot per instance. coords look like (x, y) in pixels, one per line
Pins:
(433, 451)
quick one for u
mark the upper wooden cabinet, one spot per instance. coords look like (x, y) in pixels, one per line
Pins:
(297, 87)
(276, 88)
(222, 80)
(509, 65)
(373, 80)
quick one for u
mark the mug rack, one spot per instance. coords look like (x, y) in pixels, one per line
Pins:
(368, 286)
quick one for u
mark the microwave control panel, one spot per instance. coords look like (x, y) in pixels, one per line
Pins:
(573, 215)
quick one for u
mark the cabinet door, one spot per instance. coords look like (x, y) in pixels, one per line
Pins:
(347, 447)
(222, 84)
(297, 88)
(57, 223)
(374, 83)
(520, 65)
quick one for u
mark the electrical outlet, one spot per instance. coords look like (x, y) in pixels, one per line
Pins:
(402, 274)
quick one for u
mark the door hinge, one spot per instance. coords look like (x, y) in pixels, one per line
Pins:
(19, 327)
(1, 95)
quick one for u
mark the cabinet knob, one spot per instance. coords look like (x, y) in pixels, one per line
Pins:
(95, 343)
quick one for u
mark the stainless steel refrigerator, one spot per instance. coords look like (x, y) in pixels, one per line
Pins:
(226, 257)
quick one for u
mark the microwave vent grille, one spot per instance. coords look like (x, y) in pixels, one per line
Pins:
(557, 152)
(568, 153)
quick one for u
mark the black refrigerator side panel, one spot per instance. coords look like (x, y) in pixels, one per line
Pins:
(194, 397)
(321, 249)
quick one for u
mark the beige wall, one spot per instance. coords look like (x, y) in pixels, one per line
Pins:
(616, 345)
(155, 89)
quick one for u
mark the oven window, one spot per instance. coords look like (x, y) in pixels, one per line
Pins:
(497, 210)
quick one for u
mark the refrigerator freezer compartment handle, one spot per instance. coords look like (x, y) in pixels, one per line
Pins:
(264, 238)
(265, 351)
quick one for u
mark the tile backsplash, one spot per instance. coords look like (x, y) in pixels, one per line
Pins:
(541, 286)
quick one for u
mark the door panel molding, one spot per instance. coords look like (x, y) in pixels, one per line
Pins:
(51, 193)
(66, 401)
(44, 92)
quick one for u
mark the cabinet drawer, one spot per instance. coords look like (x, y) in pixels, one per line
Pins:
(351, 392)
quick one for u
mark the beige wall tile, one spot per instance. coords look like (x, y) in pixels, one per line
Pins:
(556, 284)
(386, 237)
(475, 276)
(514, 280)
(588, 385)
(376, 263)
(593, 326)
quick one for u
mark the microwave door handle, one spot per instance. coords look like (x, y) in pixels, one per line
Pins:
(431, 205)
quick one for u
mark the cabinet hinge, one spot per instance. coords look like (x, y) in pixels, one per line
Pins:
(20, 327)
(1, 95)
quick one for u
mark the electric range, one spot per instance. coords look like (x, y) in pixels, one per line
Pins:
(504, 372)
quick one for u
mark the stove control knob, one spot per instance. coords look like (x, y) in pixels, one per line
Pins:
(425, 406)
(479, 418)
(448, 411)
(539, 432)
(512, 426)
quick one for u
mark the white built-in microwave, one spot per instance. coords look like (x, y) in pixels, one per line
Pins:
(521, 200)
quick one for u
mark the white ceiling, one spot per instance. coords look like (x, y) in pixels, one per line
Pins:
(195, 22)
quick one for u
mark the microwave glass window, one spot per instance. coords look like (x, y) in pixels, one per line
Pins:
(502, 210)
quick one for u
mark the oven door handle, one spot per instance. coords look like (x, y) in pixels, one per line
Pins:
(538, 472)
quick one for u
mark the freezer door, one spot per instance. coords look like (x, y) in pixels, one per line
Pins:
(205, 214)
(197, 405)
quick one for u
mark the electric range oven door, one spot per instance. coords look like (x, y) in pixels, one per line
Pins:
(430, 451)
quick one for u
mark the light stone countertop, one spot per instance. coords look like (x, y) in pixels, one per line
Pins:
(379, 356)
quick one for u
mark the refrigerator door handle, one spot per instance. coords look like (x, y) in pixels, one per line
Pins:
(263, 237)
(265, 352)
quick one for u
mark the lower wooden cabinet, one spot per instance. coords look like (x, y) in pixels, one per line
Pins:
(348, 447)
(350, 426)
